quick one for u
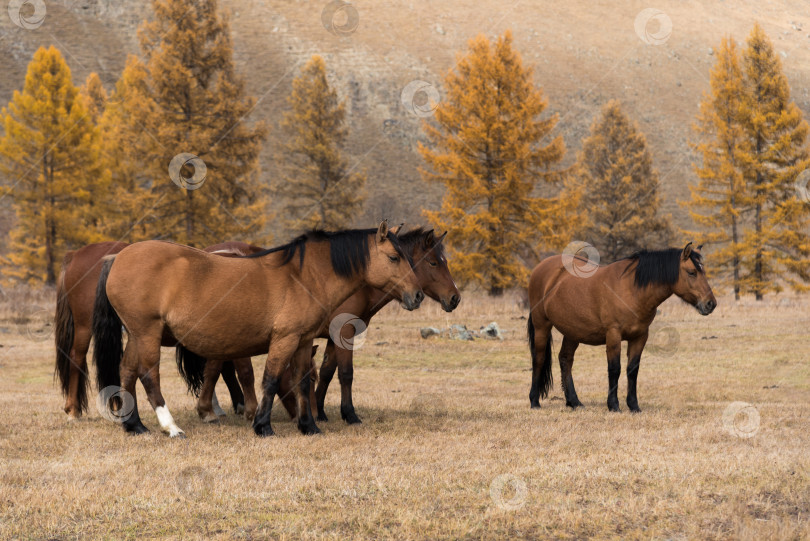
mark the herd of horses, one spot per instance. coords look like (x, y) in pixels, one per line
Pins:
(219, 306)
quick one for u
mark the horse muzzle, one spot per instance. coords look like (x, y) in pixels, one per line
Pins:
(411, 301)
(450, 303)
(706, 307)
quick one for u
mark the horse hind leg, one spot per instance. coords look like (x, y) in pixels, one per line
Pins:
(76, 401)
(539, 333)
(614, 353)
(328, 367)
(205, 402)
(149, 363)
(569, 347)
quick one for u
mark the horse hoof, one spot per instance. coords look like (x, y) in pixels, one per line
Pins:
(535, 405)
(240, 409)
(353, 420)
(179, 435)
(263, 431)
(635, 409)
(309, 430)
(574, 405)
(136, 429)
(323, 417)
(614, 409)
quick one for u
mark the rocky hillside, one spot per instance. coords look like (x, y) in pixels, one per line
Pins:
(584, 53)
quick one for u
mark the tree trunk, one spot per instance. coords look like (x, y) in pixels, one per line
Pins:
(189, 218)
(736, 259)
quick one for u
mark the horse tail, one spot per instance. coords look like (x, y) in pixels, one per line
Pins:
(541, 376)
(63, 336)
(107, 334)
(191, 367)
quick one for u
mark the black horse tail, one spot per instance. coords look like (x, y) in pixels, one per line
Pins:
(191, 367)
(63, 325)
(541, 375)
(107, 334)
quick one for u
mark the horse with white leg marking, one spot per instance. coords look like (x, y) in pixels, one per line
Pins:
(274, 302)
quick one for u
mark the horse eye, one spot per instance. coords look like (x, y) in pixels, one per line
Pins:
(432, 263)
(393, 258)
(692, 273)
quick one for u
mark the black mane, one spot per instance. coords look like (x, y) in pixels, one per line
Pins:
(348, 249)
(660, 266)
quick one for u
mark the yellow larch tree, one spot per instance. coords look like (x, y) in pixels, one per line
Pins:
(776, 249)
(200, 109)
(719, 201)
(486, 147)
(620, 204)
(50, 155)
(319, 188)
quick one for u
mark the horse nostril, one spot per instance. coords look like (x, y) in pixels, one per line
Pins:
(419, 297)
(455, 300)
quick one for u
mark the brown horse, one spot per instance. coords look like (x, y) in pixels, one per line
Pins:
(603, 306)
(226, 308)
(430, 268)
(75, 295)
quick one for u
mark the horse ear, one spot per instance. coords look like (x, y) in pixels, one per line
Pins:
(700, 248)
(687, 251)
(382, 231)
(430, 239)
(441, 237)
(396, 229)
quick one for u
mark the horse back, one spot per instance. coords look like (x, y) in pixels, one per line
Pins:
(81, 270)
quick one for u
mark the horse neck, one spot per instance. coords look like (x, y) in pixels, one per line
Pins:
(321, 280)
(376, 300)
(652, 296)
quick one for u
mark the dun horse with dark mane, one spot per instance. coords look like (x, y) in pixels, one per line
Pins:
(225, 308)
(603, 307)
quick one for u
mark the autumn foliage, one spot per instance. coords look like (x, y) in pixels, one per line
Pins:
(486, 146)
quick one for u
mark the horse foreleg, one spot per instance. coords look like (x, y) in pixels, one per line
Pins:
(614, 352)
(244, 371)
(326, 374)
(282, 350)
(303, 378)
(205, 404)
(344, 358)
(634, 349)
(569, 347)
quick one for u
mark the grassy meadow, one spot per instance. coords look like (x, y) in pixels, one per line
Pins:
(448, 448)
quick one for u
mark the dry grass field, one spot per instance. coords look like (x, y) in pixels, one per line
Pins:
(449, 448)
